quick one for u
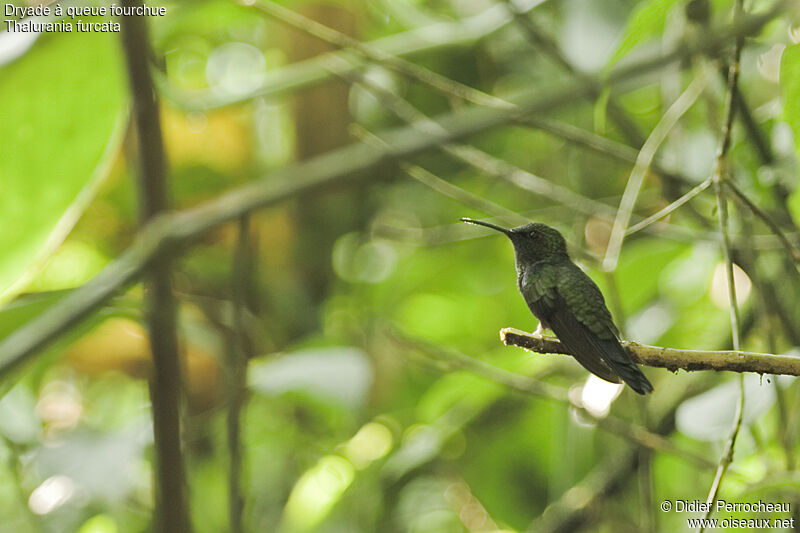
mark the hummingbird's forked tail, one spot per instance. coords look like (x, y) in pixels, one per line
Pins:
(620, 362)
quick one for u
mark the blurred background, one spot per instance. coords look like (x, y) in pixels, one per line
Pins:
(378, 396)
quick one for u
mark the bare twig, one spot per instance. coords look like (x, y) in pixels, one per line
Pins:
(172, 514)
(655, 217)
(412, 70)
(442, 186)
(457, 193)
(585, 138)
(671, 358)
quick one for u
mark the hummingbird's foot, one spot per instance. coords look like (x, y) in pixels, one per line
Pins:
(540, 331)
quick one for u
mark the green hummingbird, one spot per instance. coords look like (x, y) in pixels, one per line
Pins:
(568, 302)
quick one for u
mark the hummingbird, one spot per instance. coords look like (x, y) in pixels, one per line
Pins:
(568, 302)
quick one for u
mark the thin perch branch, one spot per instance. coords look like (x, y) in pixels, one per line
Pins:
(670, 358)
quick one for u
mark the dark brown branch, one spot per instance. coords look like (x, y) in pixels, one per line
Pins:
(172, 515)
(670, 358)
(240, 351)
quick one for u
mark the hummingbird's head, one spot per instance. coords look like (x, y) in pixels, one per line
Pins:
(532, 242)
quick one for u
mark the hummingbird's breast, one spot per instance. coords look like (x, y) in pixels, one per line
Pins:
(526, 272)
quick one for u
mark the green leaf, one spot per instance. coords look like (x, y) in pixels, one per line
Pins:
(790, 88)
(62, 119)
(646, 21)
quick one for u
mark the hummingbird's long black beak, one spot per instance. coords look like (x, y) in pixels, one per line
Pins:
(487, 224)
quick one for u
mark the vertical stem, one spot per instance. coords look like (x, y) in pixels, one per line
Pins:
(720, 174)
(719, 177)
(237, 369)
(165, 385)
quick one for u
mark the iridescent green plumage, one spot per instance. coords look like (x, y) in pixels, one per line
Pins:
(568, 302)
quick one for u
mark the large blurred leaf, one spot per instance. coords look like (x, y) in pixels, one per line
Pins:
(790, 87)
(60, 122)
(646, 21)
(100, 464)
(709, 416)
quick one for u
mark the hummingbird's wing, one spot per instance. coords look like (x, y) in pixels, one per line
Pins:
(569, 302)
(586, 302)
(544, 301)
